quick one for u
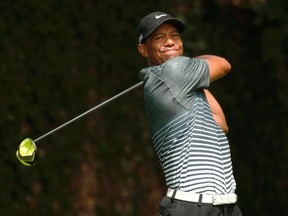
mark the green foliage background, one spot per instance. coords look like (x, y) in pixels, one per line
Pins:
(60, 58)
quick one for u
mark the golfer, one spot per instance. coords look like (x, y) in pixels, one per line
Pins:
(187, 125)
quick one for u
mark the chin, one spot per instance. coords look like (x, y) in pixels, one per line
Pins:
(171, 56)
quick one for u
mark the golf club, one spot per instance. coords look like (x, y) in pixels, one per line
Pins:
(27, 149)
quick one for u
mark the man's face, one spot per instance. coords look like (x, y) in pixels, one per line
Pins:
(164, 43)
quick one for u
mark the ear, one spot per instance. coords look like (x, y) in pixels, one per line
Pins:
(142, 50)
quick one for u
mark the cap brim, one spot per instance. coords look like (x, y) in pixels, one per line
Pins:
(176, 22)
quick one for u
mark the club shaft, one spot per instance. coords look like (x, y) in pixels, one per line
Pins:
(91, 110)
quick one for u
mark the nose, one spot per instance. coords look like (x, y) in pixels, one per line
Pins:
(169, 42)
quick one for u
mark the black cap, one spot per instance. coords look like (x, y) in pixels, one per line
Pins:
(153, 20)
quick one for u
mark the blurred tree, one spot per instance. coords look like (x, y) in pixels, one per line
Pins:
(60, 58)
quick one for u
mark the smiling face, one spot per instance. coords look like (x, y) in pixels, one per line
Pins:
(163, 44)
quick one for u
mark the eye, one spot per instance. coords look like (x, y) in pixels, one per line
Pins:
(159, 37)
(175, 35)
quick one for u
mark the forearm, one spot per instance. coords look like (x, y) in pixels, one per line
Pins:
(217, 111)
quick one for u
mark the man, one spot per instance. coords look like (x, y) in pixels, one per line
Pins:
(186, 123)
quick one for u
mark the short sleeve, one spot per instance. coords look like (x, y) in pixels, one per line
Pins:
(184, 76)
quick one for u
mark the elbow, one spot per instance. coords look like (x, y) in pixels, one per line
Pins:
(219, 68)
(226, 66)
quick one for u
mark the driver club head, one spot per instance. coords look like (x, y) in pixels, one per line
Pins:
(26, 152)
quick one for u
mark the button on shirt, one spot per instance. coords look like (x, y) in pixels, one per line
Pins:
(192, 148)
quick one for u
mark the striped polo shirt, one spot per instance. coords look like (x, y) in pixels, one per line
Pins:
(192, 148)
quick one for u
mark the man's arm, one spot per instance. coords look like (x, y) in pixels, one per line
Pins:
(217, 111)
(218, 66)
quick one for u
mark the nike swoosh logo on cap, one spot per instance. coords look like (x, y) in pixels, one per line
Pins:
(159, 16)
